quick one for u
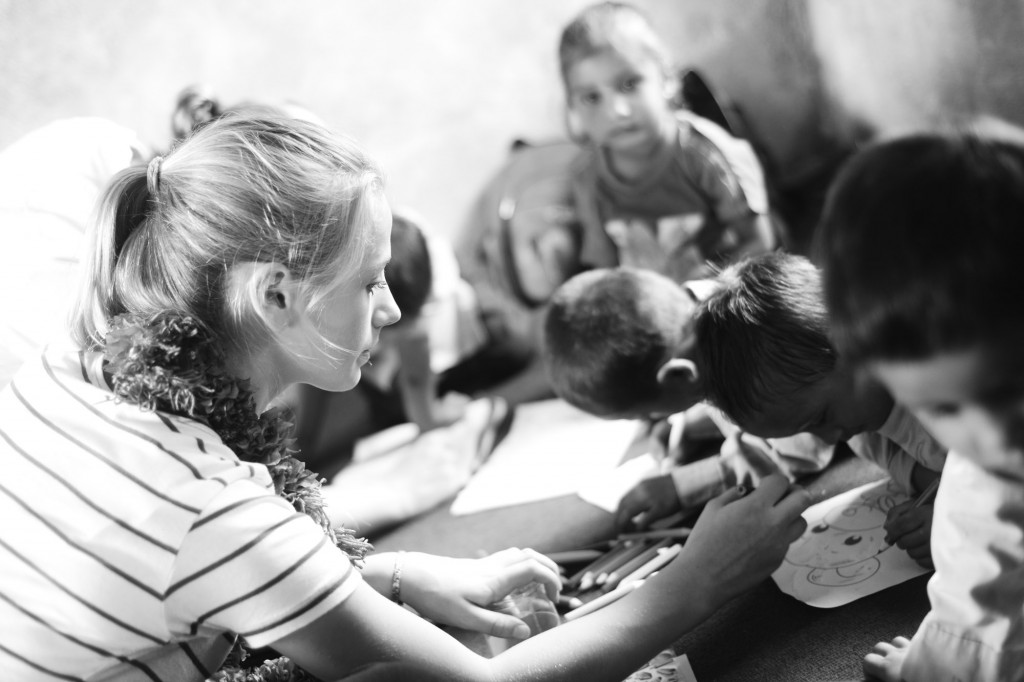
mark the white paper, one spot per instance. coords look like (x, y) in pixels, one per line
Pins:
(552, 449)
(842, 556)
(608, 489)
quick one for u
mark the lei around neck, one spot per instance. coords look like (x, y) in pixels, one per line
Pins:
(171, 363)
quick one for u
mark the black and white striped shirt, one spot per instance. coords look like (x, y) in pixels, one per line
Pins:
(137, 542)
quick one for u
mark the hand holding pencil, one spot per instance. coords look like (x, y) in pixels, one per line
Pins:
(909, 526)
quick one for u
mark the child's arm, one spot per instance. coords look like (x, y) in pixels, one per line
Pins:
(734, 545)
(417, 383)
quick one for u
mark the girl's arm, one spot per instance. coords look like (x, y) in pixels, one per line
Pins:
(736, 543)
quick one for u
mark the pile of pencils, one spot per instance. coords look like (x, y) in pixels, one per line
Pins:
(615, 570)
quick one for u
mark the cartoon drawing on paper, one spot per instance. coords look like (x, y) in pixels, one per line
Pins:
(842, 555)
(842, 548)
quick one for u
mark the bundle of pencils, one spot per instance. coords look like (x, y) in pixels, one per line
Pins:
(623, 566)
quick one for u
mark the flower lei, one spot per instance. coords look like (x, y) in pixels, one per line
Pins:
(171, 363)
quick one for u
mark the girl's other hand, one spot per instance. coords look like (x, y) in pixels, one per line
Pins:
(458, 591)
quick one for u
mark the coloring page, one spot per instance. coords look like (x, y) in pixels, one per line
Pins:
(843, 556)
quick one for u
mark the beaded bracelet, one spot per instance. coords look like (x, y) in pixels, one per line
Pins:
(396, 578)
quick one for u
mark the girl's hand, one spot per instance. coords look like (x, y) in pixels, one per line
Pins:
(458, 591)
(741, 538)
(886, 661)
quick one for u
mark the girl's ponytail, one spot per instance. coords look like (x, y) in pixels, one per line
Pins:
(123, 207)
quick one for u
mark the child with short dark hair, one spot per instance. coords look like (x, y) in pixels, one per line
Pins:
(921, 242)
(655, 186)
(619, 343)
(769, 363)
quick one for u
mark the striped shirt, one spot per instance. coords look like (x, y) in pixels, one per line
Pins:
(134, 545)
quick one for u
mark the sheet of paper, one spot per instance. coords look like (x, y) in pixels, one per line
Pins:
(605, 491)
(552, 449)
(842, 556)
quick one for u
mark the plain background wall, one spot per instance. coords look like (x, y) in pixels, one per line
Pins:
(437, 89)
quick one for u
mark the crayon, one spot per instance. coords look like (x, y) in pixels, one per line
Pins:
(612, 580)
(567, 602)
(665, 555)
(603, 600)
(928, 494)
(635, 550)
(587, 576)
(657, 533)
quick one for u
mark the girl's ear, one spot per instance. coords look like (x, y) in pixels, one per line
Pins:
(272, 291)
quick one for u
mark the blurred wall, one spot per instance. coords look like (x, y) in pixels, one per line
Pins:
(437, 90)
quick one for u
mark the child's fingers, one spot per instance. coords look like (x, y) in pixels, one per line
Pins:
(907, 522)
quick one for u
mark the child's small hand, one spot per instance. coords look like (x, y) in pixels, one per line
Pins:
(886, 661)
(637, 244)
(910, 528)
(450, 408)
(649, 500)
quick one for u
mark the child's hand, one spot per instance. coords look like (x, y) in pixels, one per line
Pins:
(649, 500)
(910, 528)
(450, 408)
(637, 244)
(886, 661)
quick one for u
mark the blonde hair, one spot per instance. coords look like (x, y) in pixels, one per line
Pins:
(239, 189)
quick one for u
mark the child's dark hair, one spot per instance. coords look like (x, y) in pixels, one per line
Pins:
(409, 273)
(617, 26)
(921, 241)
(603, 344)
(764, 334)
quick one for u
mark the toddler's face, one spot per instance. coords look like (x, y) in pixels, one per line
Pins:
(619, 100)
(972, 400)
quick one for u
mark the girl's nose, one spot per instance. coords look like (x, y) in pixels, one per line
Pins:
(387, 312)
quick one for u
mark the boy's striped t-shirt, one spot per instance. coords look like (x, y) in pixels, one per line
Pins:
(137, 542)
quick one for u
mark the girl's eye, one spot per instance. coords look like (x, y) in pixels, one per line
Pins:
(589, 99)
(375, 286)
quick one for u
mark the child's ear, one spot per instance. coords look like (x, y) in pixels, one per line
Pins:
(678, 371)
(672, 89)
(574, 126)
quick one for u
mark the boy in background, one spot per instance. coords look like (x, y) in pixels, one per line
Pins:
(764, 345)
(921, 244)
(619, 344)
(655, 186)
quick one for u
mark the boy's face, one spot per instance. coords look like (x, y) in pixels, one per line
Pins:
(972, 401)
(620, 101)
(833, 409)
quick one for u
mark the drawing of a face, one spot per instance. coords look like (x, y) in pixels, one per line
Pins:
(840, 550)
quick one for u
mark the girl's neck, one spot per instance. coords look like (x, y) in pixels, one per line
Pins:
(264, 380)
